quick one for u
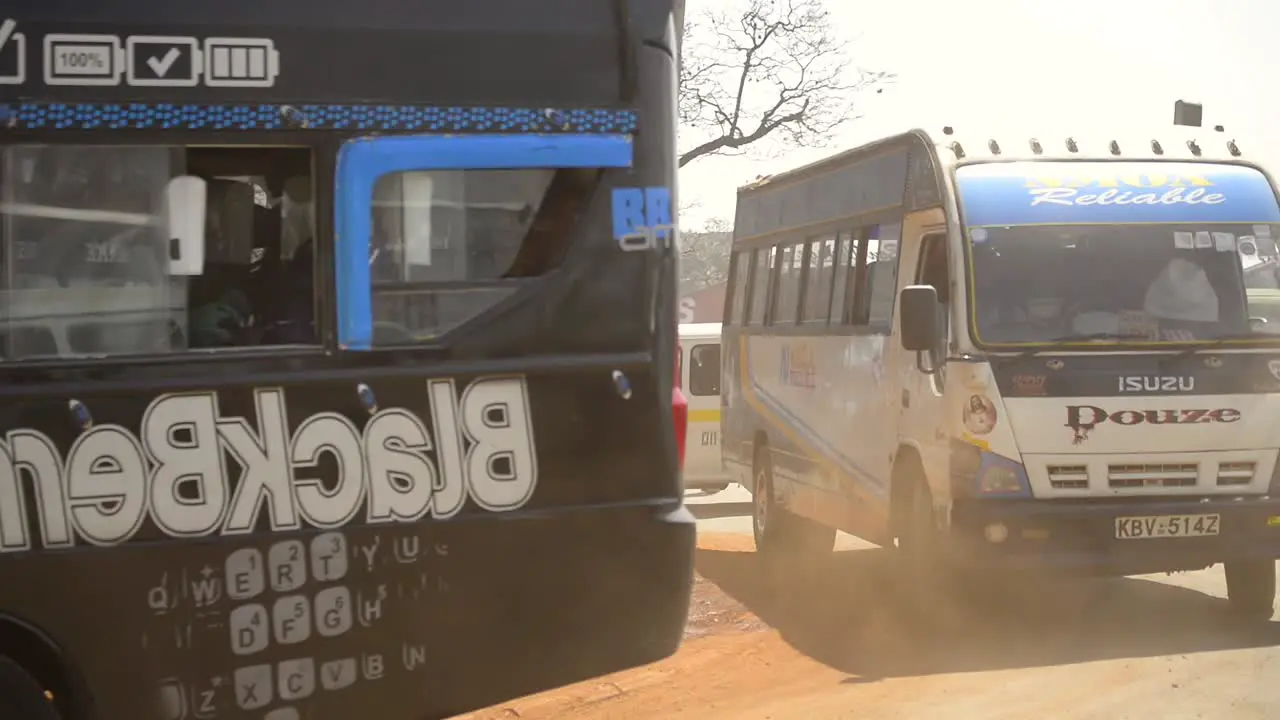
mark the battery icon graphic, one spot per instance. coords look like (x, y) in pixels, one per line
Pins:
(85, 60)
(240, 62)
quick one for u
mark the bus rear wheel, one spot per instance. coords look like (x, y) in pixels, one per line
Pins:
(21, 697)
(779, 533)
(1251, 589)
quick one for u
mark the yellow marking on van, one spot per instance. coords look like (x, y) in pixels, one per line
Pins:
(704, 416)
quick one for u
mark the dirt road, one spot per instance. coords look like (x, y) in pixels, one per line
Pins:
(836, 645)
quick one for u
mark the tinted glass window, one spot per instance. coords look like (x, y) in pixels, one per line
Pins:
(704, 370)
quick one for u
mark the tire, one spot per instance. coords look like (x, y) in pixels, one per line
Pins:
(21, 696)
(1251, 589)
(920, 568)
(936, 597)
(778, 533)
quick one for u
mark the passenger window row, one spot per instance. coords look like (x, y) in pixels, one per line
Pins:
(844, 278)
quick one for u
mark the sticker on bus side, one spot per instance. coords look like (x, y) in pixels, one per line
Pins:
(173, 473)
(642, 218)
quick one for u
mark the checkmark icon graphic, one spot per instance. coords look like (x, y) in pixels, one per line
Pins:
(6, 31)
(161, 65)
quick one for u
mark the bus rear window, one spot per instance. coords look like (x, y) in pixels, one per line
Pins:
(449, 244)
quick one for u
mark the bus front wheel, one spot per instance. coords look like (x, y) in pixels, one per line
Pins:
(21, 697)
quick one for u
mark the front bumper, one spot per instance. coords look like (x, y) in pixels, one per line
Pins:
(1081, 535)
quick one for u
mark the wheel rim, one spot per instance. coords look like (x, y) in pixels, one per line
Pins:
(761, 500)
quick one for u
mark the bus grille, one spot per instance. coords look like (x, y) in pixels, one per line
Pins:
(1129, 476)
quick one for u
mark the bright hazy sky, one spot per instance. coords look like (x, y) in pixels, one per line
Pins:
(1086, 64)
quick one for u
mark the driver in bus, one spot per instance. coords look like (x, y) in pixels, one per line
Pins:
(1181, 300)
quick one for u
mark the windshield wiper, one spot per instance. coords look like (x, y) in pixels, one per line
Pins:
(1067, 341)
(1218, 341)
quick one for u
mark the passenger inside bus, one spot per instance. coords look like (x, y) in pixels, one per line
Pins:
(257, 287)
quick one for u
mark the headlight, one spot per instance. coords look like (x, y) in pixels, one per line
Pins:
(1001, 476)
(1000, 480)
(980, 473)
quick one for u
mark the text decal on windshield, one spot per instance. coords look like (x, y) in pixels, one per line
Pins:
(173, 471)
(1114, 192)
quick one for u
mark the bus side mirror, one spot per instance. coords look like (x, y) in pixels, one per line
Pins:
(185, 205)
(919, 305)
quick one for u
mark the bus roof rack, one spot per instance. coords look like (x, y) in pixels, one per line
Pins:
(1177, 143)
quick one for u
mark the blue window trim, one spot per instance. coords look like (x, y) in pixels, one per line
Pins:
(362, 161)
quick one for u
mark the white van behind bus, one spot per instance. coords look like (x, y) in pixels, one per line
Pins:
(699, 373)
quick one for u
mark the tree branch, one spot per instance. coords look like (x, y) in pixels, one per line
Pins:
(788, 76)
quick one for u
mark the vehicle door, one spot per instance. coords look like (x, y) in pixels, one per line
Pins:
(924, 419)
(703, 389)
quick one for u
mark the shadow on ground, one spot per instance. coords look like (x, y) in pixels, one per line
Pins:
(847, 614)
(708, 511)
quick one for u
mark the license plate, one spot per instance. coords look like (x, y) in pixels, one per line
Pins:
(1166, 526)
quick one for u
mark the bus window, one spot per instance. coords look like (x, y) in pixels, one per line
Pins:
(933, 271)
(735, 313)
(845, 257)
(760, 285)
(818, 287)
(882, 273)
(87, 271)
(704, 370)
(788, 292)
(458, 226)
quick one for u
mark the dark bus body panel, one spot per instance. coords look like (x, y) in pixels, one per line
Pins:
(593, 574)
(494, 53)
(444, 615)
(454, 606)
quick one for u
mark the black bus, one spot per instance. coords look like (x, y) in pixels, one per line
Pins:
(336, 351)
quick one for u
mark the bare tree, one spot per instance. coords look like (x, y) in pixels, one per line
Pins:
(770, 67)
(704, 256)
